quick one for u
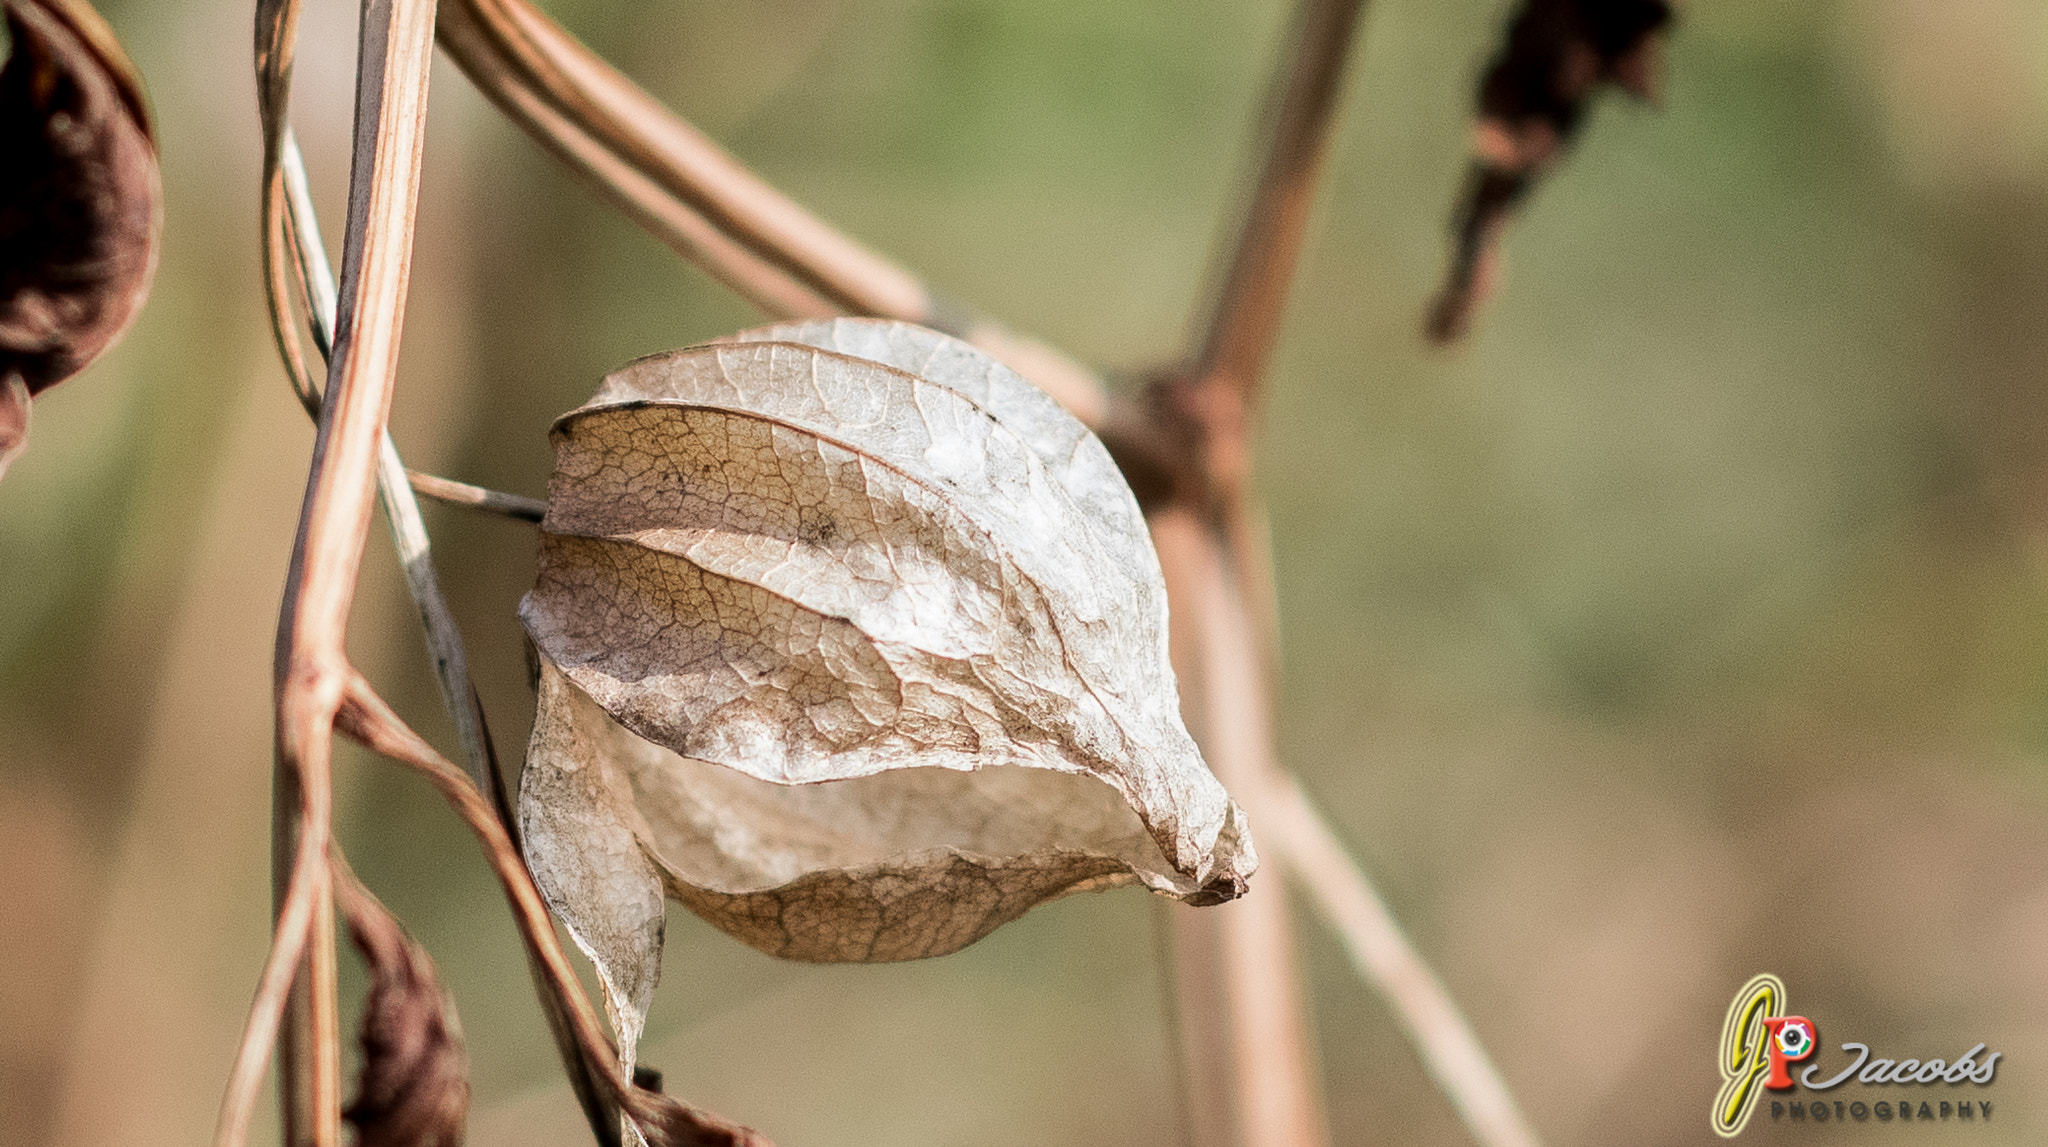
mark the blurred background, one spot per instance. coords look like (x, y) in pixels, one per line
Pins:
(1689, 621)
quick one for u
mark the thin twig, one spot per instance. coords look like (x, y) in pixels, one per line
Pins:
(287, 949)
(277, 23)
(394, 489)
(514, 506)
(308, 1075)
(1385, 959)
(365, 717)
(309, 249)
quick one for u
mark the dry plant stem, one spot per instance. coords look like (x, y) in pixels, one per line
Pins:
(312, 666)
(444, 641)
(643, 133)
(496, 71)
(277, 24)
(1274, 1096)
(365, 717)
(1217, 563)
(1244, 322)
(1386, 960)
(702, 202)
(306, 894)
(463, 494)
(309, 1061)
(401, 509)
(1225, 567)
(572, 1022)
(444, 637)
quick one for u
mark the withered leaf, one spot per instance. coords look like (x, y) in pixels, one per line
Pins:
(79, 196)
(665, 1122)
(853, 642)
(414, 1090)
(14, 419)
(1531, 103)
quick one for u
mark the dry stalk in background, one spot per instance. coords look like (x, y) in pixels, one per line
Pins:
(1187, 446)
(1222, 595)
(1385, 959)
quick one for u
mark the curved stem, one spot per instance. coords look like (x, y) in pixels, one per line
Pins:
(365, 717)
(694, 196)
(631, 124)
(498, 72)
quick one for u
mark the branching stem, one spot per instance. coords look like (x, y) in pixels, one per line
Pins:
(311, 664)
(395, 491)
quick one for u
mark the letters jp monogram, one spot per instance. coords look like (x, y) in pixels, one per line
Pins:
(1752, 1044)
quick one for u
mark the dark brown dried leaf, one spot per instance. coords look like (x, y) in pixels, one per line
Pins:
(14, 419)
(1531, 104)
(79, 195)
(415, 1085)
(665, 1122)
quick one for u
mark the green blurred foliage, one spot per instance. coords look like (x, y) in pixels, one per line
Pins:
(1687, 622)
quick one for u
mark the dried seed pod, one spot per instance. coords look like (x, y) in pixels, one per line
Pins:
(1531, 103)
(80, 205)
(414, 1090)
(853, 642)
